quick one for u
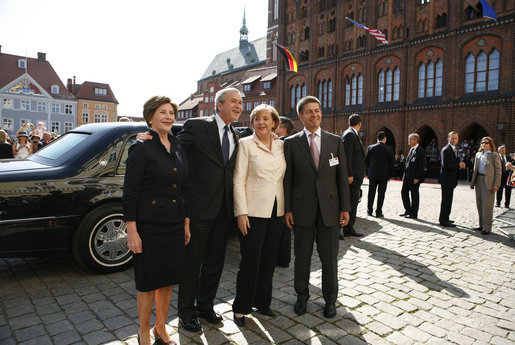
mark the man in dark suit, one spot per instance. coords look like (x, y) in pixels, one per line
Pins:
(210, 143)
(355, 170)
(379, 168)
(451, 166)
(316, 202)
(505, 173)
(413, 176)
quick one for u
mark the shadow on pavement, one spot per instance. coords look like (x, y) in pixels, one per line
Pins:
(414, 270)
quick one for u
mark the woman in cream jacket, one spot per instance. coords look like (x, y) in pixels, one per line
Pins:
(259, 207)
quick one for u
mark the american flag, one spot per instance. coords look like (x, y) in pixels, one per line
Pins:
(374, 32)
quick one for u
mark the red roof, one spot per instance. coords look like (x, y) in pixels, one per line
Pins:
(86, 90)
(42, 72)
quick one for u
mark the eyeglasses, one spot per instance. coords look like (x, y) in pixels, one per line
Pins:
(485, 142)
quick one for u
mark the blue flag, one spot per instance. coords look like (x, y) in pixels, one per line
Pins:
(488, 11)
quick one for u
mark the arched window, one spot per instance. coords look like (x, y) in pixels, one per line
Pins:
(381, 86)
(304, 90)
(292, 98)
(306, 33)
(360, 89)
(354, 82)
(482, 72)
(298, 93)
(396, 83)
(347, 91)
(430, 79)
(439, 78)
(325, 93)
(493, 70)
(389, 83)
(330, 93)
(470, 62)
(421, 80)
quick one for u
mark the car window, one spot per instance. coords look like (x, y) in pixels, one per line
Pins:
(125, 152)
(61, 146)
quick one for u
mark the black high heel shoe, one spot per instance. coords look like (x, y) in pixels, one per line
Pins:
(239, 321)
(159, 340)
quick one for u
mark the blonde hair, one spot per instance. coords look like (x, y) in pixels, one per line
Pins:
(265, 107)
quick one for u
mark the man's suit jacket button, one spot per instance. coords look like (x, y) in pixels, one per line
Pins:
(153, 202)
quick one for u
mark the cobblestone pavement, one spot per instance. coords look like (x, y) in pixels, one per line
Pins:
(405, 282)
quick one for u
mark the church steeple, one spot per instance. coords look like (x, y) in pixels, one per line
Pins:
(244, 32)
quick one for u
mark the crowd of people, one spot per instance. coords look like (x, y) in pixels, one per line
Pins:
(183, 195)
(29, 139)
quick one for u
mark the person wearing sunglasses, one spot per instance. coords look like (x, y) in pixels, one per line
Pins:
(486, 180)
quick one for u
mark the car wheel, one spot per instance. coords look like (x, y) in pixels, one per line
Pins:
(100, 241)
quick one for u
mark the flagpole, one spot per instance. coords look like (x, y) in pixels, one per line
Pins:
(473, 6)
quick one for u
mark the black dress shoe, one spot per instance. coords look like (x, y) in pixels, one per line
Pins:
(341, 237)
(405, 214)
(210, 316)
(484, 232)
(451, 221)
(300, 307)
(497, 205)
(190, 323)
(369, 213)
(329, 310)
(239, 321)
(379, 214)
(448, 224)
(266, 312)
(352, 232)
(412, 216)
(480, 228)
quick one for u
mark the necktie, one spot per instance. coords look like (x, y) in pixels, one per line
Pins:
(314, 150)
(225, 145)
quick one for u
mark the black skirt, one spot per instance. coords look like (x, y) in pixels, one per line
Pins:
(161, 262)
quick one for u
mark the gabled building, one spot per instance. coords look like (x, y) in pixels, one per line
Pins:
(95, 102)
(31, 91)
(242, 67)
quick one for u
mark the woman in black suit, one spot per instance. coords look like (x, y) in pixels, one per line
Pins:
(6, 150)
(154, 211)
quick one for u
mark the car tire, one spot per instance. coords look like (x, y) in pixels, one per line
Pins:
(100, 242)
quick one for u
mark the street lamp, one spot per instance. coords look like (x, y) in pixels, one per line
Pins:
(501, 127)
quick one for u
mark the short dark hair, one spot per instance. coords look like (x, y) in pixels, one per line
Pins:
(381, 135)
(306, 100)
(354, 120)
(153, 103)
(287, 124)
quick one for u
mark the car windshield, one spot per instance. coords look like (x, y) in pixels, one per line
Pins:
(64, 144)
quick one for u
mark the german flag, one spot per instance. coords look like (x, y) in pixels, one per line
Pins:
(288, 57)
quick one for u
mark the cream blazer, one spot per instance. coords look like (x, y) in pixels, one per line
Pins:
(258, 178)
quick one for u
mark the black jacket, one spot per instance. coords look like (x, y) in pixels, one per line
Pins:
(415, 166)
(450, 167)
(209, 182)
(379, 162)
(152, 190)
(355, 156)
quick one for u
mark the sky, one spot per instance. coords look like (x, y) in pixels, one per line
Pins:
(140, 48)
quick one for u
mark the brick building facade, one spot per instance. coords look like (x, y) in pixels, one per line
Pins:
(445, 67)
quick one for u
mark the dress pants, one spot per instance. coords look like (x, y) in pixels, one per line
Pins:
(506, 189)
(380, 185)
(446, 204)
(327, 247)
(258, 258)
(485, 203)
(413, 189)
(354, 191)
(284, 255)
(204, 263)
